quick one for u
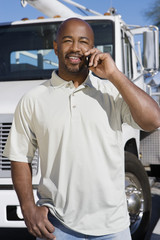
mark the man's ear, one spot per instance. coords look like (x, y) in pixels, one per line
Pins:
(55, 47)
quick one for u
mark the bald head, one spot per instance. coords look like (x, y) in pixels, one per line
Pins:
(75, 23)
(74, 38)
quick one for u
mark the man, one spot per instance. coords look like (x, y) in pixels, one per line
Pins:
(75, 120)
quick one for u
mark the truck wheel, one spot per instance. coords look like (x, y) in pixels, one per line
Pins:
(138, 196)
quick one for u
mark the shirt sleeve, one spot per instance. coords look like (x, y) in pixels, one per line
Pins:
(126, 116)
(124, 112)
(21, 143)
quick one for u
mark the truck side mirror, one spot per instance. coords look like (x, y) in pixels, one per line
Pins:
(151, 49)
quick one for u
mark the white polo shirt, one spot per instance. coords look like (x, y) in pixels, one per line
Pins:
(78, 132)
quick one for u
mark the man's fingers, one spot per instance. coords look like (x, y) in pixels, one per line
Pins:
(38, 224)
(35, 231)
(42, 231)
(47, 234)
(50, 227)
(95, 57)
(46, 229)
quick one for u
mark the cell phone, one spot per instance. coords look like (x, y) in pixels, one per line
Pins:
(87, 60)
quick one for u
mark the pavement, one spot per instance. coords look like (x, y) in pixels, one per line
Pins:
(154, 228)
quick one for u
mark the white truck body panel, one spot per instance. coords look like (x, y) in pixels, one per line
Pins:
(11, 91)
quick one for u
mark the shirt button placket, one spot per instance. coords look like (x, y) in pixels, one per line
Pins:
(73, 101)
(73, 106)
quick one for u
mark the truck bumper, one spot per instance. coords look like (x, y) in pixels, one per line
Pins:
(10, 212)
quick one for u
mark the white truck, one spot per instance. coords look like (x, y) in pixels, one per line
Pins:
(27, 59)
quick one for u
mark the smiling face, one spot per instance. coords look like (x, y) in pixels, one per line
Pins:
(74, 38)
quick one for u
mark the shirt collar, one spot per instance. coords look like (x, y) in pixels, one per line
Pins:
(58, 82)
(88, 81)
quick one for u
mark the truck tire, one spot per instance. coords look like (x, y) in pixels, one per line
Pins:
(138, 196)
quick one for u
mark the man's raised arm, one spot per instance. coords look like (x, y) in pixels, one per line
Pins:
(144, 109)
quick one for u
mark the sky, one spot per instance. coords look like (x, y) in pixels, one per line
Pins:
(132, 11)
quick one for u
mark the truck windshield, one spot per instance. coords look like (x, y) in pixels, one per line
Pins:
(27, 50)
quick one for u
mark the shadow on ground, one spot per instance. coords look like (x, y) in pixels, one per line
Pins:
(155, 217)
(15, 234)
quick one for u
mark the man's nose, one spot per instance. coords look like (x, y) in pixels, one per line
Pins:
(75, 46)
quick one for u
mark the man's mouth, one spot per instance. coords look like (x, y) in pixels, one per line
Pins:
(74, 59)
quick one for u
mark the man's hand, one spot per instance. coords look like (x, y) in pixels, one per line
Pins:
(101, 63)
(36, 219)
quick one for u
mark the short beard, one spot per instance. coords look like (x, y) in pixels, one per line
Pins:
(75, 69)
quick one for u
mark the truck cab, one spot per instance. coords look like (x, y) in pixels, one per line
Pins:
(28, 59)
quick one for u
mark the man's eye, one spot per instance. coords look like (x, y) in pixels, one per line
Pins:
(67, 40)
(84, 42)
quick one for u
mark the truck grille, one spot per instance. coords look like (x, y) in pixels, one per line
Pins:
(150, 147)
(5, 166)
(4, 162)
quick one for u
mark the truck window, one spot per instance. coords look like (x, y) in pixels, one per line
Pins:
(27, 49)
(127, 57)
(104, 36)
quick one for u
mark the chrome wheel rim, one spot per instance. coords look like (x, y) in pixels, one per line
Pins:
(135, 200)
